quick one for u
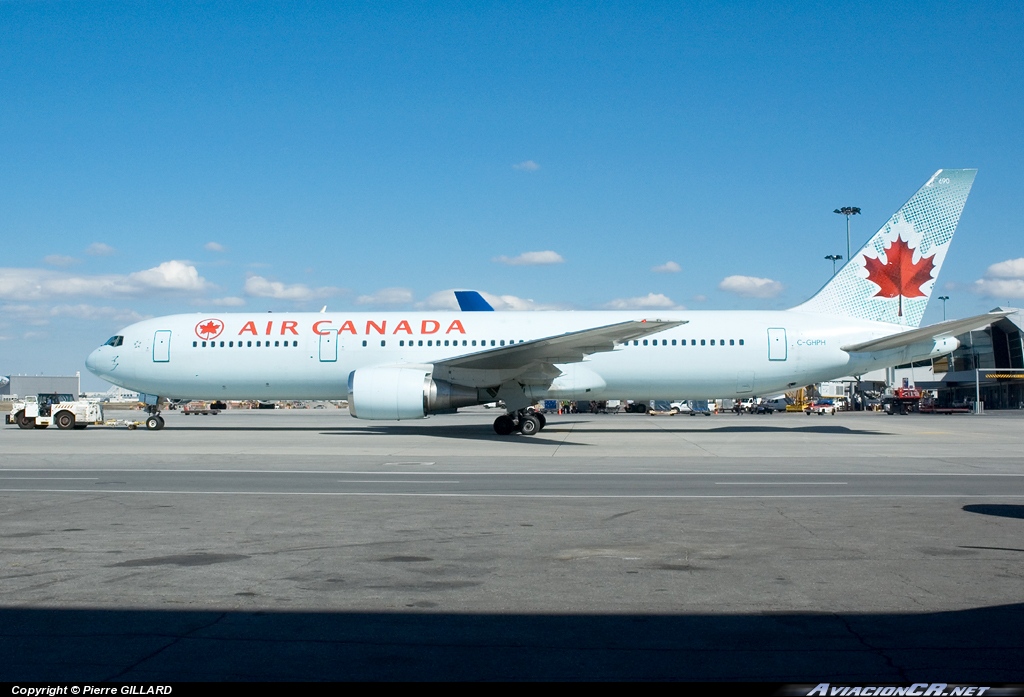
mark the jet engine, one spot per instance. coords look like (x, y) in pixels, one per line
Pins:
(406, 392)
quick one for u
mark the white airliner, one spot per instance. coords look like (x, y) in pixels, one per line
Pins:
(394, 366)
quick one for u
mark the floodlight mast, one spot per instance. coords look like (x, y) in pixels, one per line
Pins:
(833, 258)
(847, 211)
(943, 298)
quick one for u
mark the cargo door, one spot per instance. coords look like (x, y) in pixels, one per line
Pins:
(777, 349)
(162, 346)
(329, 346)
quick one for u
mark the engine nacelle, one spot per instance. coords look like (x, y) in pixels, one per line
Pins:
(405, 392)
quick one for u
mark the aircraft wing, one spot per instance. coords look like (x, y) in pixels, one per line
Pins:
(570, 347)
(934, 331)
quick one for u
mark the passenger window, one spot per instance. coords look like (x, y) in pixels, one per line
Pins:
(382, 342)
(712, 342)
(703, 342)
(248, 344)
(194, 344)
(741, 342)
(732, 342)
(204, 344)
(277, 344)
(693, 342)
(364, 342)
(673, 342)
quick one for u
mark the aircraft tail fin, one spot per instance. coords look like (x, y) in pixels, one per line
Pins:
(471, 301)
(892, 276)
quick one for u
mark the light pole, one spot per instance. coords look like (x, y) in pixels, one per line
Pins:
(847, 211)
(833, 258)
(943, 298)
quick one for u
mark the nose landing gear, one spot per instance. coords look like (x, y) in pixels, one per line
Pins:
(154, 422)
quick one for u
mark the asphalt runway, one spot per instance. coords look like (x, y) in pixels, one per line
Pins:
(307, 545)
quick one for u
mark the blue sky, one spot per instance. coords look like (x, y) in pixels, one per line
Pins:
(169, 157)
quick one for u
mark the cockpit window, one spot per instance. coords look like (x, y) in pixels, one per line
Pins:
(114, 341)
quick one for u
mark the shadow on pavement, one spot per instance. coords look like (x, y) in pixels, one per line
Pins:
(976, 645)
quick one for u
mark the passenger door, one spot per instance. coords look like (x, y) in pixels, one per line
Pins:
(162, 346)
(777, 348)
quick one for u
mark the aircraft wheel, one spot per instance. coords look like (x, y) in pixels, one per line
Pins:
(160, 421)
(504, 425)
(540, 417)
(23, 421)
(65, 420)
(529, 425)
(153, 423)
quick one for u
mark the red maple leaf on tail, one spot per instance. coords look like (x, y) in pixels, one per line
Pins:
(899, 275)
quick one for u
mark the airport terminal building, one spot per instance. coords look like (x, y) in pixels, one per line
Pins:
(988, 366)
(22, 385)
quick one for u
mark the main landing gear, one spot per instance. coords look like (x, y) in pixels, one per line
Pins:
(527, 423)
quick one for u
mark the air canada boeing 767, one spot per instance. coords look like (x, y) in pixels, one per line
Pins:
(394, 366)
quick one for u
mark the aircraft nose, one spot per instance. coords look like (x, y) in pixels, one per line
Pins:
(93, 361)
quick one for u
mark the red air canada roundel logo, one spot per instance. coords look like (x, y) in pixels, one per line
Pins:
(209, 329)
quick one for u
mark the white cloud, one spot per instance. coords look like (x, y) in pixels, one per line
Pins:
(170, 275)
(260, 287)
(1000, 287)
(92, 312)
(214, 247)
(1011, 268)
(667, 267)
(386, 296)
(445, 300)
(532, 259)
(230, 301)
(98, 249)
(1002, 280)
(751, 286)
(41, 284)
(645, 302)
(60, 260)
(526, 166)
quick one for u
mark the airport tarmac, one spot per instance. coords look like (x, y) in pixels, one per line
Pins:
(307, 545)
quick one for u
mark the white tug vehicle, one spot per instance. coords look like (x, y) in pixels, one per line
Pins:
(51, 408)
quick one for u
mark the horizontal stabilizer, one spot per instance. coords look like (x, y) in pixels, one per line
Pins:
(934, 331)
(571, 347)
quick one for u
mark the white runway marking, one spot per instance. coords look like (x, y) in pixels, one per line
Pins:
(516, 496)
